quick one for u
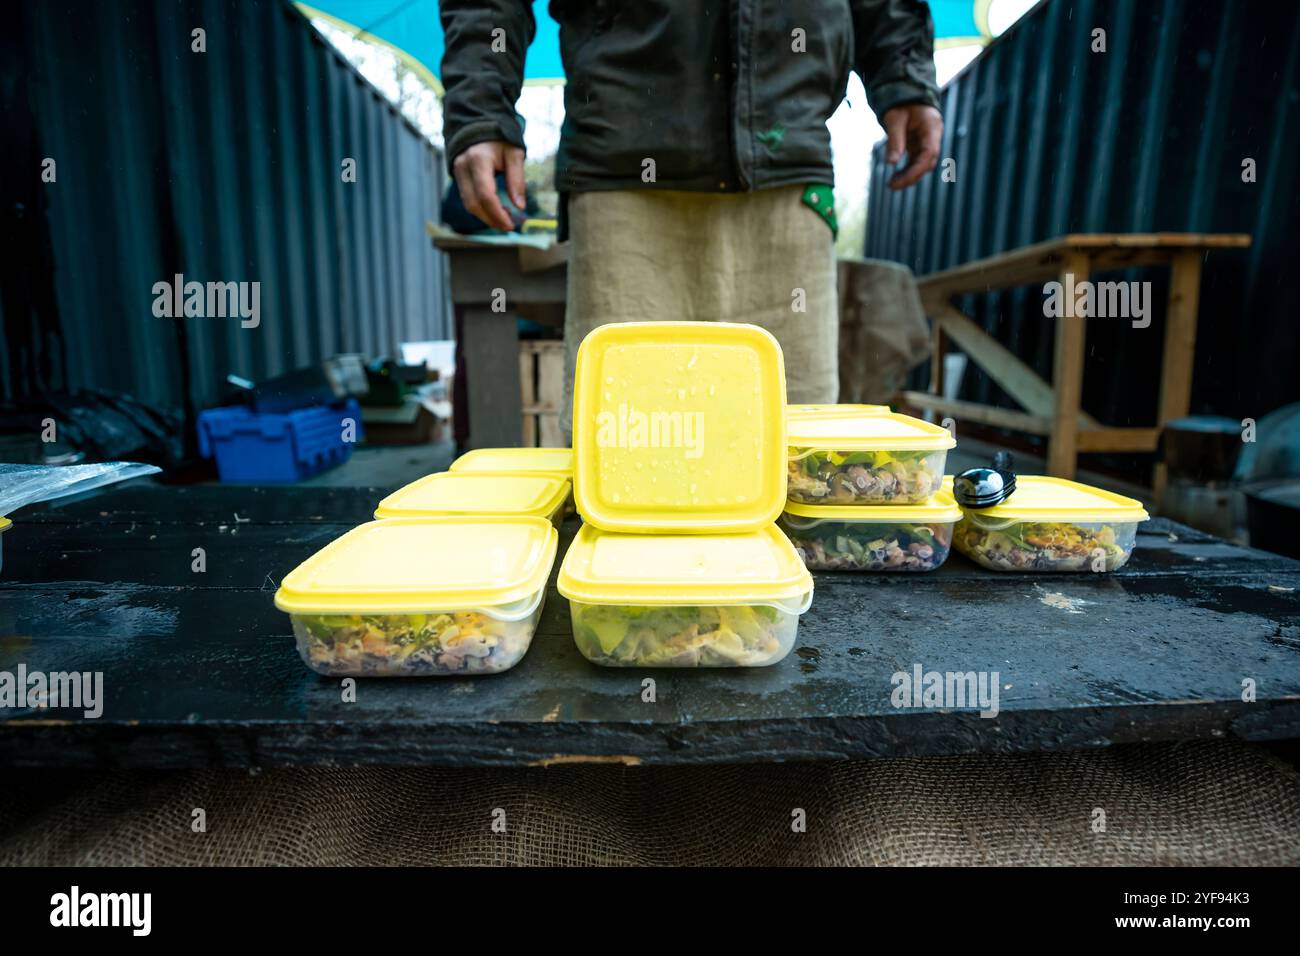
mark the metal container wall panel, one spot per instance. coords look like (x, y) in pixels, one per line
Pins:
(1051, 138)
(223, 166)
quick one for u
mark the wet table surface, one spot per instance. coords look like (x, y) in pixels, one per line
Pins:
(199, 669)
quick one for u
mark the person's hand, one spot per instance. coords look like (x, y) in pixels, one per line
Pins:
(475, 170)
(918, 129)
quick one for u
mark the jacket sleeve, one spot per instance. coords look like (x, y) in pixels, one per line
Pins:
(894, 53)
(481, 85)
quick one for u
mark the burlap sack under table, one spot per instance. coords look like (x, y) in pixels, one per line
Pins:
(1223, 802)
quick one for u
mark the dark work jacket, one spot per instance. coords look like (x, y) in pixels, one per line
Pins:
(715, 92)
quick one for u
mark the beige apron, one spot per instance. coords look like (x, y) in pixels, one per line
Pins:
(762, 257)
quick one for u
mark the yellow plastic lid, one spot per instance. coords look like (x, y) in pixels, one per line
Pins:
(1041, 498)
(752, 567)
(475, 493)
(939, 508)
(679, 427)
(556, 462)
(845, 409)
(5, 523)
(411, 565)
(885, 431)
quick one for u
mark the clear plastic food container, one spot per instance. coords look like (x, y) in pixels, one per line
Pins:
(1051, 524)
(478, 493)
(407, 597)
(864, 458)
(679, 427)
(884, 538)
(723, 600)
(551, 462)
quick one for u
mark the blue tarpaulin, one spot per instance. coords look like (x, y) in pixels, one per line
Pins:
(413, 30)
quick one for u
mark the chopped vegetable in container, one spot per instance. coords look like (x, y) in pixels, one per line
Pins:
(1051, 524)
(422, 596)
(883, 538)
(864, 458)
(478, 493)
(687, 600)
(679, 427)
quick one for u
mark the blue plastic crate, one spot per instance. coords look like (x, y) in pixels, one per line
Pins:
(261, 446)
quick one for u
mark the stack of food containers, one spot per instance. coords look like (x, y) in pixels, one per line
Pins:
(679, 475)
(865, 490)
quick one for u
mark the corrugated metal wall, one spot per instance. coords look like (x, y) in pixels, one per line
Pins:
(1051, 138)
(223, 166)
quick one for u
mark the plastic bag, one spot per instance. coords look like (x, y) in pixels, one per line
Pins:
(27, 484)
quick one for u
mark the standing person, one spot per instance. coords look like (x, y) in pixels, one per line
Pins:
(694, 166)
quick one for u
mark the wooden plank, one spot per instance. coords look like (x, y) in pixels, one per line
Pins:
(491, 345)
(550, 394)
(201, 669)
(1067, 377)
(478, 273)
(1108, 439)
(1043, 261)
(548, 432)
(550, 376)
(938, 345)
(964, 411)
(1179, 348)
(527, 394)
(543, 363)
(1015, 377)
(532, 259)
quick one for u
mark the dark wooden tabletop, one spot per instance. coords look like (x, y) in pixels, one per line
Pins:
(201, 670)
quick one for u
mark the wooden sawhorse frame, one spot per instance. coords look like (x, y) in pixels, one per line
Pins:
(1053, 410)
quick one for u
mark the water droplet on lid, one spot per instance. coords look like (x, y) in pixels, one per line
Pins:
(681, 395)
(713, 390)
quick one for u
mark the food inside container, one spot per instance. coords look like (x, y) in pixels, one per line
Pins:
(679, 427)
(1051, 524)
(687, 600)
(552, 462)
(864, 458)
(409, 597)
(884, 538)
(478, 493)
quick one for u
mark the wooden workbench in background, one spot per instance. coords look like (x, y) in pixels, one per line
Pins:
(480, 273)
(1054, 409)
